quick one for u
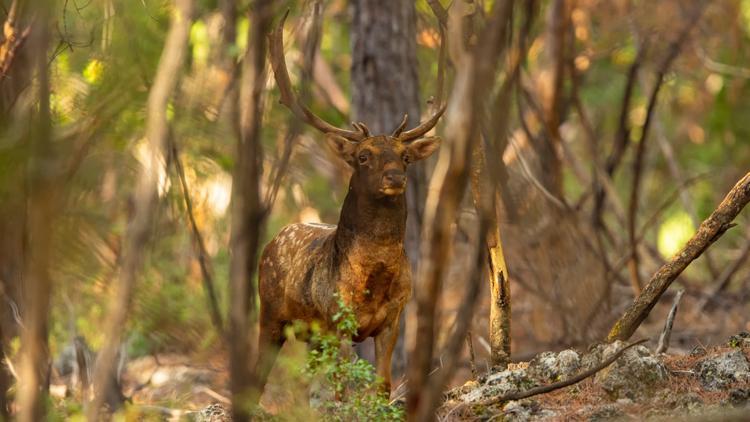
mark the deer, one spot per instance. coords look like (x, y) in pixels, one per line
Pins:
(307, 267)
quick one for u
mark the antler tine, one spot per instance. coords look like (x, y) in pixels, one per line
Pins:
(363, 128)
(397, 132)
(420, 130)
(288, 97)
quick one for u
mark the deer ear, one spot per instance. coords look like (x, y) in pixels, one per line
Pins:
(343, 147)
(424, 147)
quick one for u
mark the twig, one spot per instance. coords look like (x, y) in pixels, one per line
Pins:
(709, 231)
(725, 277)
(11, 368)
(667, 331)
(204, 261)
(213, 394)
(543, 389)
(472, 358)
(559, 202)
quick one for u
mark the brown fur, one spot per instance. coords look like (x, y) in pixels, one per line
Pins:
(362, 259)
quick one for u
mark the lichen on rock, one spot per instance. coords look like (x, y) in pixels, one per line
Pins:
(525, 410)
(740, 340)
(497, 384)
(636, 374)
(723, 371)
(550, 367)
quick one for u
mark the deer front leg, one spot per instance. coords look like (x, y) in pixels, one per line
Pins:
(385, 342)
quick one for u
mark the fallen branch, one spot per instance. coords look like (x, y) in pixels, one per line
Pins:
(667, 331)
(709, 231)
(543, 389)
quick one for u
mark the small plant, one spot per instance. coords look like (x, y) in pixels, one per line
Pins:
(352, 381)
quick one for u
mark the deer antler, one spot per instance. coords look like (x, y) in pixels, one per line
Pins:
(290, 100)
(418, 131)
(401, 127)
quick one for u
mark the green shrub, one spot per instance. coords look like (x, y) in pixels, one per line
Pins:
(352, 381)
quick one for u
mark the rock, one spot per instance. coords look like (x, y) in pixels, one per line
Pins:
(739, 397)
(493, 385)
(604, 413)
(698, 351)
(550, 367)
(212, 413)
(636, 374)
(525, 410)
(740, 340)
(678, 400)
(722, 371)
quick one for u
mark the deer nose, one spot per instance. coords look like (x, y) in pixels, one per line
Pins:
(395, 178)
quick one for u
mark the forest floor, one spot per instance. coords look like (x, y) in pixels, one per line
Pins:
(704, 384)
(700, 384)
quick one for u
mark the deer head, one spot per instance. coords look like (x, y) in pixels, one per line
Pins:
(379, 162)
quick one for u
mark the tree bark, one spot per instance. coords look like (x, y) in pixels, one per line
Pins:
(34, 370)
(709, 231)
(248, 214)
(16, 70)
(385, 86)
(483, 192)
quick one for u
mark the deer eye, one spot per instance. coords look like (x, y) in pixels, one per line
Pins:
(406, 159)
(363, 157)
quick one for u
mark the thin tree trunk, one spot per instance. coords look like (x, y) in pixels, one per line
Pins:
(145, 199)
(17, 63)
(483, 189)
(34, 370)
(248, 214)
(385, 86)
(4, 375)
(473, 82)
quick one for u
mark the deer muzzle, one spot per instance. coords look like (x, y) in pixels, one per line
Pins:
(394, 182)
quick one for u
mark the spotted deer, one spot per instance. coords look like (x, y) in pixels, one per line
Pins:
(362, 260)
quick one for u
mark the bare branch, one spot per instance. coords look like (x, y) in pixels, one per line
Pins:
(518, 395)
(725, 277)
(709, 231)
(667, 331)
(204, 261)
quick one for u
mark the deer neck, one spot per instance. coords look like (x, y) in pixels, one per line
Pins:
(366, 221)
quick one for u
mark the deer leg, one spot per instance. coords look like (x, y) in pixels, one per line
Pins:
(270, 340)
(385, 342)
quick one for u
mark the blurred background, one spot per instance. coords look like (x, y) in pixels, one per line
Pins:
(575, 132)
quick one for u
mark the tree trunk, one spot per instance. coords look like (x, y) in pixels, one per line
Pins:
(483, 194)
(34, 370)
(385, 86)
(16, 71)
(248, 213)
